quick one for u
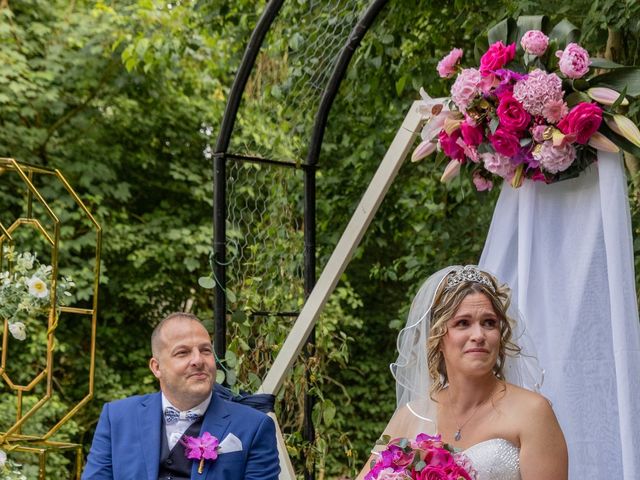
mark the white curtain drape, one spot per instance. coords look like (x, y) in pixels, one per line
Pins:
(566, 250)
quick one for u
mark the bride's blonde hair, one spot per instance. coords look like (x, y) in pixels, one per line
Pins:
(450, 295)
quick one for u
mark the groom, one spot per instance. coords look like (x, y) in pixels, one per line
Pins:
(142, 437)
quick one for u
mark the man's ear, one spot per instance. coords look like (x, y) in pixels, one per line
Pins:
(154, 366)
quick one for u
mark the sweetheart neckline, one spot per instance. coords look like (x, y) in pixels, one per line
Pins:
(486, 441)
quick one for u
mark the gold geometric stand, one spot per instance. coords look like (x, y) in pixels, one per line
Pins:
(41, 216)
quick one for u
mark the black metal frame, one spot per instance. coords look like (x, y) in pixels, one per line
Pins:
(309, 169)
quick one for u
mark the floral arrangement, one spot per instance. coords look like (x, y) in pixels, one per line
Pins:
(530, 109)
(204, 447)
(10, 470)
(24, 291)
(424, 458)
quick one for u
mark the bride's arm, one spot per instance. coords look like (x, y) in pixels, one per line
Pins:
(543, 450)
(404, 423)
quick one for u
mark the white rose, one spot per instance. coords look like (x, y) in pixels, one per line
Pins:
(37, 287)
(19, 332)
(3, 458)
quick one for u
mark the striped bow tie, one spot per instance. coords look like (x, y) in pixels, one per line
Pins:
(172, 415)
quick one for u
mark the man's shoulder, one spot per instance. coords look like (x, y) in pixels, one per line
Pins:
(236, 409)
(128, 403)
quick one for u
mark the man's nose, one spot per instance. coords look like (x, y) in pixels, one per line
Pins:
(196, 357)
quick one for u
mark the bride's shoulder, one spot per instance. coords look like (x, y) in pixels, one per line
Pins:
(526, 402)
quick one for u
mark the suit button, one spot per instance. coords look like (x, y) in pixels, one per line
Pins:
(169, 461)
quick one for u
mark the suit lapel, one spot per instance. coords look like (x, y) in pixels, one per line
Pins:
(149, 416)
(216, 422)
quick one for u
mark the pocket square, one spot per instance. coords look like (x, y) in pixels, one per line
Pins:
(230, 444)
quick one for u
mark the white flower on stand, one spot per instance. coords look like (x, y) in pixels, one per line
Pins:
(18, 330)
(37, 287)
(3, 458)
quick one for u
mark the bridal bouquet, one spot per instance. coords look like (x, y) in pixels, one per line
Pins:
(532, 107)
(424, 458)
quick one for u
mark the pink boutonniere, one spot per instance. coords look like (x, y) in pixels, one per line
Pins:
(204, 447)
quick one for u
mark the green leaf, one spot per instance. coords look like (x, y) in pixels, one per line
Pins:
(575, 98)
(230, 358)
(400, 84)
(231, 378)
(231, 296)
(328, 412)
(604, 63)
(207, 282)
(503, 31)
(565, 33)
(619, 79)
(220, 376)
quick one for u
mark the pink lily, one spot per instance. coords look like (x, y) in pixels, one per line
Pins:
(600, 142)
(605, 96)
(426, 148)
(626, 128)
(451, 171)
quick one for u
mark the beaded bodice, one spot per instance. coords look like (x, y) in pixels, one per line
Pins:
(495, 459)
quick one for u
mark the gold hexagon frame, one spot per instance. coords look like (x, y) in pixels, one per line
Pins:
(12, 439)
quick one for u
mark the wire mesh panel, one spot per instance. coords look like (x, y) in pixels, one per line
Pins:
(292, 69)
(265, 242)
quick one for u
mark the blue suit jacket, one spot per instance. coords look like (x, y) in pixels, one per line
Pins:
(126, 444)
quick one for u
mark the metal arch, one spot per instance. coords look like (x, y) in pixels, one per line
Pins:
(219, 170)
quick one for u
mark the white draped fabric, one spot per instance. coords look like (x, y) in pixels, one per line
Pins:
(566, 250)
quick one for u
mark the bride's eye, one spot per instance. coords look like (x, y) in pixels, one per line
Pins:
(491, 323)
(461, 323)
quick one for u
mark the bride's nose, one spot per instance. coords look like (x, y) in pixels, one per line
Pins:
(477, 333)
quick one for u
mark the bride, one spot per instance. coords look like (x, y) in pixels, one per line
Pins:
(466, 372)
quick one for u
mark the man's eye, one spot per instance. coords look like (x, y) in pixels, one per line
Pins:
(207, 351)
(181, 353)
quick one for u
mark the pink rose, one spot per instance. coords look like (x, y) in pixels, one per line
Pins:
(481, 183)
(465, 88)
(458, 473)
(583, 120)
(449, 144)
(496, 57)
(471, 134)
(447, 66)
(534, 42)
(574, 61)
(391, 474)
(505, 142)
(432, 473)
(512, 114)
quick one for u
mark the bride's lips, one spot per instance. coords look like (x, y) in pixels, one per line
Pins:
(477, 350)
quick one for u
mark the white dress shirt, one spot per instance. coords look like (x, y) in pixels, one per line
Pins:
(177, 429)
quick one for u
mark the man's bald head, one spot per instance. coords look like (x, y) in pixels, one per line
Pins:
(156, 335)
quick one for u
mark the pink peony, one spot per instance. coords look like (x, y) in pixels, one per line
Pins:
(505, 142)
(449, 144)
(537, 90)
(574, 61)
(534, 42)
(512, 115)
(583, 120)
(481, 183)
(555, 159)
(392, 474)
(496, 57)
(498, 165)
(465, 88)
(471, 134)
(447, 66)
(555, 110)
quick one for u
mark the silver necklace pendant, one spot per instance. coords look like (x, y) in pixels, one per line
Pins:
(458, 435)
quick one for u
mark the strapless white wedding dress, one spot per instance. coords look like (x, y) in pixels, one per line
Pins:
(495, 459)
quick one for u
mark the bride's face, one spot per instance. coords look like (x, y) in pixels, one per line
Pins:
(472, 341)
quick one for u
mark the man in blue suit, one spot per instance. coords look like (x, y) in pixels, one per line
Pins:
(142, 437)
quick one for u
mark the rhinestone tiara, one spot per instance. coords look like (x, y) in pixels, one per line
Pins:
(468, 273)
